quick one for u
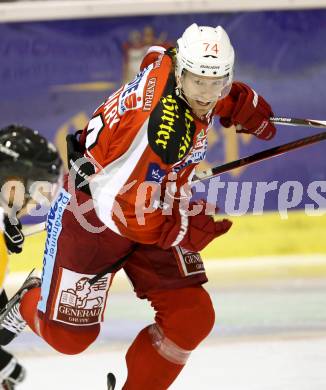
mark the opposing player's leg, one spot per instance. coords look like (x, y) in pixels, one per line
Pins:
(11, 372)
(171, 281)
(11, 321)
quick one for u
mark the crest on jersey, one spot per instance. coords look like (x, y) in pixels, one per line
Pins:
(190, 263)
(77, 301)
(155, 173)
(132, 94)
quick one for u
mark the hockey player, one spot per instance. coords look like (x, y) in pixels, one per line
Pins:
(11, 372)
(25, 157)
(143, 143)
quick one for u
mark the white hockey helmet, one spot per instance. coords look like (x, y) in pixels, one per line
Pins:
(205, 51)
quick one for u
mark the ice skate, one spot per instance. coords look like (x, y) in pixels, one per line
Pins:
(16, 376)
(11, 321)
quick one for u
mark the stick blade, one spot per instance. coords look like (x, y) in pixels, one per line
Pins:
(111, 381)
(29, 230)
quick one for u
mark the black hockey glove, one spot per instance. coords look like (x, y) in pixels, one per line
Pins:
(14, 236)
(81, 166)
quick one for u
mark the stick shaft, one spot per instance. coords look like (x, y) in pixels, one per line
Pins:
(265, 154)
(297, 122)
(29, 230)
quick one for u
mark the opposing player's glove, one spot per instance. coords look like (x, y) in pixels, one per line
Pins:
(14, 236)
(246, 110)
(193, 233)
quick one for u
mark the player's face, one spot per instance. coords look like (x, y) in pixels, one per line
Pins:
(203, 92)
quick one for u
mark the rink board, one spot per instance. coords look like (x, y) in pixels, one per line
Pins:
(250, 236)
(71, 66)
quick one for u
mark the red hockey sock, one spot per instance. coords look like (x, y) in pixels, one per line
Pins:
(146, 368)
(184, 318)
(69, 341)
(28, 308)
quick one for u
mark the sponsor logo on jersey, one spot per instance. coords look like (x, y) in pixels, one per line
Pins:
(133, 85)
(155, 173)
(77, 301)
(171, 129)
(54, 227)
(196, 154)
(149, 94)
(190, 262)
(131, 97)
(186, 139)
(167, 125)
(131, 101)
(110, 109)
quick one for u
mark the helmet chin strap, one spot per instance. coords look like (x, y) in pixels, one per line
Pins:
(179, 92)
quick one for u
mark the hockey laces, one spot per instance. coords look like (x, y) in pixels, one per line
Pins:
(13, 321)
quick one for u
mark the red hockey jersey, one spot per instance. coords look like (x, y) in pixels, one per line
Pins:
(142, 133)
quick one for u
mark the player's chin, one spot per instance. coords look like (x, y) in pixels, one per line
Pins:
(202, 106)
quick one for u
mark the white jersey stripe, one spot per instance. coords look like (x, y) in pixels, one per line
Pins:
(107, 184)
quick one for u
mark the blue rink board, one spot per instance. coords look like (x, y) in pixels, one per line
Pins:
(54, 74)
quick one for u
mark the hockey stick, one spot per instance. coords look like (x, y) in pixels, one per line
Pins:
(113, 267)
(29, 230)
(265, 154)
(297, 122)
(111, 381)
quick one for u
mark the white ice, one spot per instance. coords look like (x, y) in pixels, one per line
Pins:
(270, 334)
(251, 365)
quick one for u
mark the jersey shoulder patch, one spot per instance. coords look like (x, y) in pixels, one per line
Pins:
(132, 95)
